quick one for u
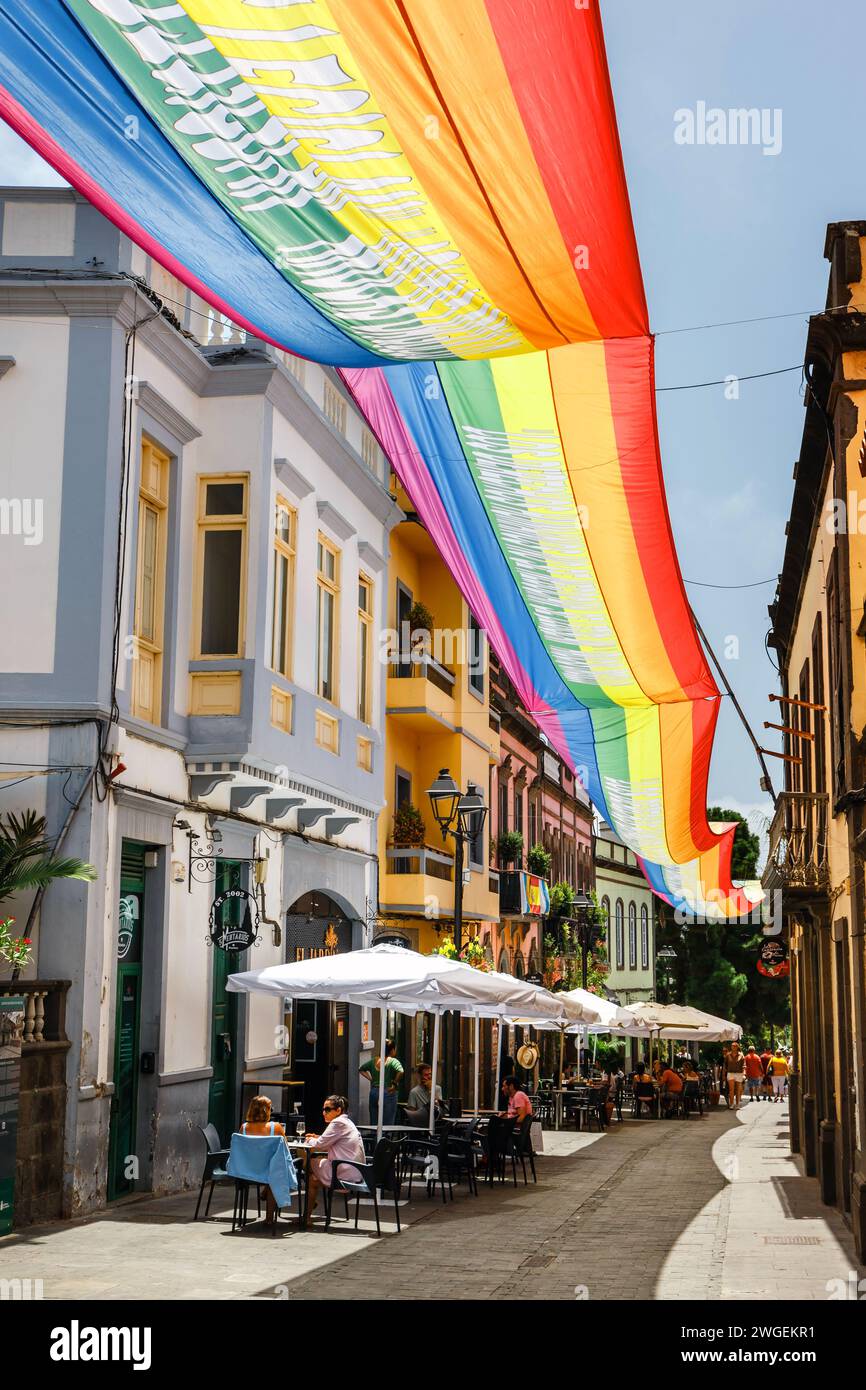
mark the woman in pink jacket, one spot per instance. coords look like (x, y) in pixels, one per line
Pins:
(339, 1140)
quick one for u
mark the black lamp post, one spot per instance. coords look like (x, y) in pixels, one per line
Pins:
(585, 924)
(462, 816)
(665, 960)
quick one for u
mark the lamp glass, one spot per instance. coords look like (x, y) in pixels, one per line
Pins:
(472, 812)
(444, 799)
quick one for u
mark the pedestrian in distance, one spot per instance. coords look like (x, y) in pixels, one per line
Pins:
(393, 1069)
(778, 1074)
(736, 1064)
(755, 1070)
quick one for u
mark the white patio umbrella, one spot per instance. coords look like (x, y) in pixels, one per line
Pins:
(393, 977)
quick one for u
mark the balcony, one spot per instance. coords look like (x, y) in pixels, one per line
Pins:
(522, 894)
(417, 877)
(797, 858)
(420, 694)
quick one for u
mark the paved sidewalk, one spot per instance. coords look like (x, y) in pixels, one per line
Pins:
(715, 1208)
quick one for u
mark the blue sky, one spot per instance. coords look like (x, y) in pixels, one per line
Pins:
(725, 232)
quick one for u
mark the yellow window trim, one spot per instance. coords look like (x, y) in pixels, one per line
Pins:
(331, 586)
(155, 466)
(288, 551)
(365, 639)
(204, 524)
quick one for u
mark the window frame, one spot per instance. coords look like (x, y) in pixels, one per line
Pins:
(157, 501)
(619, 933)
(644, 937)
(205, 524)
(287, 551)
(332, 587)
(632, 936)
(365, 644)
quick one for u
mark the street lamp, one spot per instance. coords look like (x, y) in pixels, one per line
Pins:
(585, 923)
(462, 816)
(668, 955)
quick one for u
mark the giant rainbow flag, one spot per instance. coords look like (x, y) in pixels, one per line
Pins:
(430, 195)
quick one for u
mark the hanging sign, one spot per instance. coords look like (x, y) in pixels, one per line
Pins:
(773, 960)
(229, 935)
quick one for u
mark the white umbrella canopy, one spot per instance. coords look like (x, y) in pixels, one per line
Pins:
(677, 1022)
(608, 1015)
(394, 977)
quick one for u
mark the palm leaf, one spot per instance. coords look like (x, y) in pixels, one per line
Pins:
(39, 873)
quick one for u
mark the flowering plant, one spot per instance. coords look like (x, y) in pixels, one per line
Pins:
(16, 950)
(471, 954)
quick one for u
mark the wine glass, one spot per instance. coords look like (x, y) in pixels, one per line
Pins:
(301, 1130)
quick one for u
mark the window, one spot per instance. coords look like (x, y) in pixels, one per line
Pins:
(518, 809)
(475, 657)
(221, 562)
(605, 912)
(285, 522)
(620, 935)
(149, 620)
(328, 591)
(818, 699)
(632, 937)
(644, 937)
(335, 406)
(503, 806)
(365, 648)
(402, 789)
(534, 837)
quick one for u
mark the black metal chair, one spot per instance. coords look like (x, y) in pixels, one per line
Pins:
(380, 1175)
(463, 1153)
(691, 1099)
(520, 1147)
(497, 1146)
(643, 1093)
(214, 1166)
(415, 1159)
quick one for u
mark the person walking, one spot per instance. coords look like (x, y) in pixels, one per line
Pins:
(736, 1064)
(778, 1069)
(766, 1057)
(393, 1069)
(754, 1073)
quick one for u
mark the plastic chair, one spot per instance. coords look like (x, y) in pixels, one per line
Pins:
(380, 1175)
(415, 1158)
(521, 1147)
(214, 1166)
(263, 1161)
(643, 1093)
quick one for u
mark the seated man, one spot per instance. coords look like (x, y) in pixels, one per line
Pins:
(339, 1140)
(672, 1084)
(519, 1104)
(417, 1108)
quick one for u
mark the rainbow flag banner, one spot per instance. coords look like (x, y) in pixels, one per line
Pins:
(429, 195)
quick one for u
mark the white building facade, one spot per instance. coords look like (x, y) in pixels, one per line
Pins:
(196, 536)
(626, 900)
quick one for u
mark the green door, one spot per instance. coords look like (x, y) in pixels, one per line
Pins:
(122, 1148)
(222, 1099)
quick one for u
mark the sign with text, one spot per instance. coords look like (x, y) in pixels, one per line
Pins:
(11, 1035)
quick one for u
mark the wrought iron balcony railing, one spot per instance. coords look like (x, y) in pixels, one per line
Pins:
(797, 855)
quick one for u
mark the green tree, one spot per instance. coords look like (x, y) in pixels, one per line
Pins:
(747, 845)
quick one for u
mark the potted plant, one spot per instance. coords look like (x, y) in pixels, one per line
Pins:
(561, 899)
(509, 846)
(421, 624)
(409, 829)
(539, 860)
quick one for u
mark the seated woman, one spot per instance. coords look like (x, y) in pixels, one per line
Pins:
(340, 1140)
(259, 1124)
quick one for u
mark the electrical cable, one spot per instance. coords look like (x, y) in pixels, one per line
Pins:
(737, 706)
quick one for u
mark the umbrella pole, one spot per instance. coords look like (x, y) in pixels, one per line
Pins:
(381, 1117)
(561, 1060)
(434, 1065)
(498, 1064)
(477, 1045)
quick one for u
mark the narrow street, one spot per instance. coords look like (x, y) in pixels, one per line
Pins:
(706, 1209)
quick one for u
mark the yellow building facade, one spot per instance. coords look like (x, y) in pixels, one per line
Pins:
(815, 866)
(437, 715)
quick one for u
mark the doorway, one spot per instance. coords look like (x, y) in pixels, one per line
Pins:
(222, 1093)
(317, 926)
(123, 1162)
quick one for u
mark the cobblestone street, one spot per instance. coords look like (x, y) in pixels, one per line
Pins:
(715, 1208)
